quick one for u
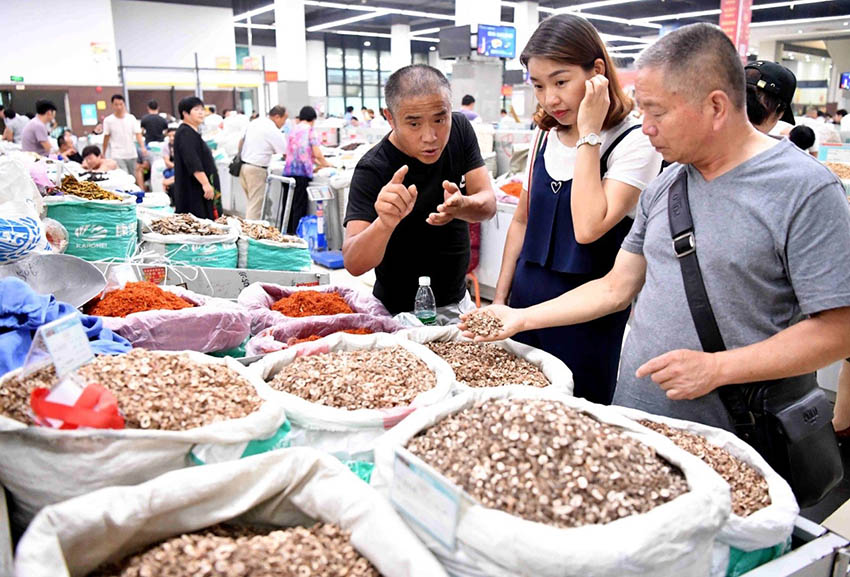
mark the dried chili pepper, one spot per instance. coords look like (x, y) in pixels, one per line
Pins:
(311, 338)
(312, 303)
(137, 297)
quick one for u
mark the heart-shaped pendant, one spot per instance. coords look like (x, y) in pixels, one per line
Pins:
(556, 186)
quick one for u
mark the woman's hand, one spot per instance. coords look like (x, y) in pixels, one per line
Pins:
(594, 106)
(512, 323)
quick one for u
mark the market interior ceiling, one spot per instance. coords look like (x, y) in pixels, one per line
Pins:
(626, 24)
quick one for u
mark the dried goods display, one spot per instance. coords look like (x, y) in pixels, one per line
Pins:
(137, 297)
(749, 489)
(154, 390)
(87, 190)
(186, 224)
(484, 324)
(487, 365)
(262, 231)
(839, 169)
(376, 379)
(548, 463)
(312, 303)
(323, 549)
(312, 338)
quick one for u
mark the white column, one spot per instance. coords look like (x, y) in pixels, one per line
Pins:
(526, 17)
(291, 40)
(768, 49)
(475, 12)
(400, 45)
(839, 52)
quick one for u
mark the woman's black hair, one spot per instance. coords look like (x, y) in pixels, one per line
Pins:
(307, 113)
(187, 104)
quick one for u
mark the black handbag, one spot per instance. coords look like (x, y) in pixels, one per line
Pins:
(236, 164)
(788, 421)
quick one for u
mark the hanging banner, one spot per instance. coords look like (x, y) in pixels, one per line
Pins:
(735, 18)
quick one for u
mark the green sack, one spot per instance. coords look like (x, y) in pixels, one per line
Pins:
(97, 230)
(269, 255)
(213, 255)
(741, 562)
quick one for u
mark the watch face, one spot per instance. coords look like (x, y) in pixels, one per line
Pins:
(593, 139)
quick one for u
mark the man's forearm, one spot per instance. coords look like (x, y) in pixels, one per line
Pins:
(365, 250)
(803, 348)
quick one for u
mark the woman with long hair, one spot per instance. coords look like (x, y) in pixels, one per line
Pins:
(587, 167)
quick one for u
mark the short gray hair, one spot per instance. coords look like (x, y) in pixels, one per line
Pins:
(414, 80)
(698, 59)
(277, 111)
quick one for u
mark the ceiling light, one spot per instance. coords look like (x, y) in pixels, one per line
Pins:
(799, 31)
(367, 43)
(254, 12)
(424, 31)
(254, 26)
(432, 48)
(349, 20)
(716, 11)
(846, 23)
(797, 21)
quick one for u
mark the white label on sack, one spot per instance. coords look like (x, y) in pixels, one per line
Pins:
(67, 343)
(426, 497)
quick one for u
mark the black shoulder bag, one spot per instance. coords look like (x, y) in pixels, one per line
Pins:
(236, 164)
(788, 421)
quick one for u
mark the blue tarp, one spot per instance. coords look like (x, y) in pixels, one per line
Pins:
(22, 311)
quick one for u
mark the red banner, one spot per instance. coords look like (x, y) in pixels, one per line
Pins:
(735, 18)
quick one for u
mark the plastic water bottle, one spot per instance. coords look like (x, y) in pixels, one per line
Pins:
(425, 307)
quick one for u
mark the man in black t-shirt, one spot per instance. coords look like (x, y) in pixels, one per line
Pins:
(153, 124)
(413, 194)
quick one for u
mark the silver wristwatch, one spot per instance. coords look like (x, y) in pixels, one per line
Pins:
(592, 139)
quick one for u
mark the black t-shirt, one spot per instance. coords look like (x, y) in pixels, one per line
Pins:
(417, 248)
(154, 126)
(191, 154)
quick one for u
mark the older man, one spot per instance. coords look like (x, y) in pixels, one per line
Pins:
(413, 194)
(262, 140)
(771, 226)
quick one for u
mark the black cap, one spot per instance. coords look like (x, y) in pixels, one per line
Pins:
(775, 79)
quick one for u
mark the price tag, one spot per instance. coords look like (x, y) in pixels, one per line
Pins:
(64, 341)
(426, 497)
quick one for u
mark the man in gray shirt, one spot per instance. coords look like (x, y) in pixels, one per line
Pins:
(772, 228)
(35, 137)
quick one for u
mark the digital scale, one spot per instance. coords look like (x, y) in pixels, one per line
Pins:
(320, 254)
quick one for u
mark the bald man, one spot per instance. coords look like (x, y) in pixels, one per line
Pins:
(771, 229)
(413, 195)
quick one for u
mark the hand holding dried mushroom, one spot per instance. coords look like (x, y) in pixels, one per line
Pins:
(494, 323)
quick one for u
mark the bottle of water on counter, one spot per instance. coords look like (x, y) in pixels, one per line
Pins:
(425, 307)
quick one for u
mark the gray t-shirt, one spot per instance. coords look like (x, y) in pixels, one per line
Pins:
(35, 132)
(17, 125)
(772, 238)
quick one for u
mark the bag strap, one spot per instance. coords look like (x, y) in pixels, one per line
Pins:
(685, 248)
(603, 160)
(532, 158)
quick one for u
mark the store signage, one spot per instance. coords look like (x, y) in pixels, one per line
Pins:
(271, 75)
(735, 18)
(88, 112)
(101, 105)
(16, 78)
(426, 497)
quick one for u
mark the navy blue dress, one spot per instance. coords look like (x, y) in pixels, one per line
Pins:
(552, 263)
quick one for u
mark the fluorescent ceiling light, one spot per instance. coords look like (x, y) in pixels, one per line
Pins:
(625, 21)
(716, 11)
(424, 31)
(344, 21)
(617, 38)
(254, 26)
(254, 12)
(599, 4)
(797, 21)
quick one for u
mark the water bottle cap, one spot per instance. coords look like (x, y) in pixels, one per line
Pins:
(424, 281)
